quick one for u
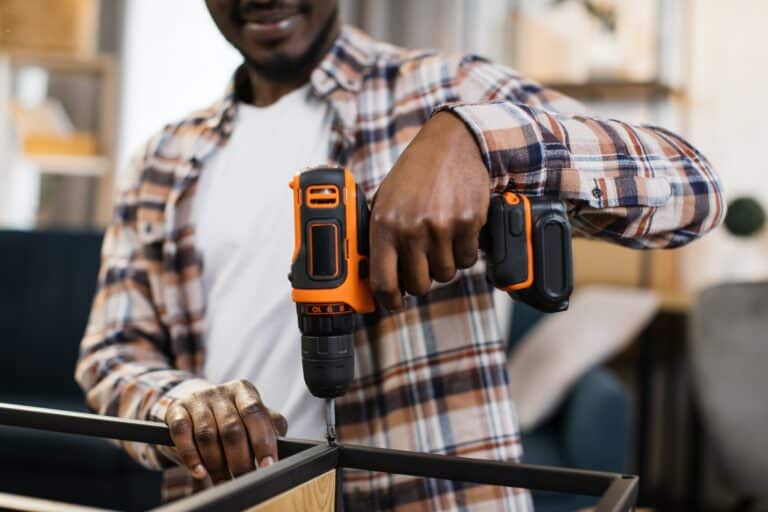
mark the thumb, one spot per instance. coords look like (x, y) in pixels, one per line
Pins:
(279, 422)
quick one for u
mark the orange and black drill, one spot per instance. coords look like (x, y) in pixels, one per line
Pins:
(527, 242)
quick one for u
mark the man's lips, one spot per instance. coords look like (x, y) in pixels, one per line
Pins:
(268, 16)
(270, 24)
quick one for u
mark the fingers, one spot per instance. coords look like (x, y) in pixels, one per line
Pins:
(279, 422)
(442, 266)
(182, 435)
(384, 278)
(234, 438)
(261, 432)
(224, 431)
(414, 257)
(206, 435)
(465, 251)
(415, 270)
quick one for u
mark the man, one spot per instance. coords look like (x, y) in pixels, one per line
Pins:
(193, 313)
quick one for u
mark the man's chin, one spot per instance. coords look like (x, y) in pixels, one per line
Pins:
(282, 68)
(283, 61)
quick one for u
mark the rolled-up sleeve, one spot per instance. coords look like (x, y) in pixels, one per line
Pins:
(640, 186)
(125, 364)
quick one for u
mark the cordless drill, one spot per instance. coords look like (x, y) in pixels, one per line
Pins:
(527, 242)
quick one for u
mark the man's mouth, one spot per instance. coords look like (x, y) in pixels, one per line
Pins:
(268, 16)
(273, 21)
(273, 16)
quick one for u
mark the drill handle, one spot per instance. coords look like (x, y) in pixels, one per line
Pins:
(527, 242)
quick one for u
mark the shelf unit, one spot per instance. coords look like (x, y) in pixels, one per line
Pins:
(101, 68)
(96, 166)
(665, 91)
(618, 90)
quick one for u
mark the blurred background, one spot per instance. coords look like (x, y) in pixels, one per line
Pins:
(671, 386)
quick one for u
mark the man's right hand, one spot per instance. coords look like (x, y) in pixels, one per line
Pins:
(225, 430)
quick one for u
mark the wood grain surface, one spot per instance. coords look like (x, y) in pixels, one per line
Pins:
(317, 495)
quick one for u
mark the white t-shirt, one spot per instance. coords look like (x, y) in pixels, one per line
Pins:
(243, 212)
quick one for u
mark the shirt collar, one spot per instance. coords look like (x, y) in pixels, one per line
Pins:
(344, 66)
(346, 63)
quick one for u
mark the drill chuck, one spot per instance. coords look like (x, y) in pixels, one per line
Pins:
(328, 364)
(327, 356)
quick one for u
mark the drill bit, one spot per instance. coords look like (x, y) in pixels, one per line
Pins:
(330, 421)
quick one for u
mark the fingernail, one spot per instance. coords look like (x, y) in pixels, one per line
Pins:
(199, 472)
(266, 461)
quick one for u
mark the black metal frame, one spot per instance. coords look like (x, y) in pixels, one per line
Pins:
(300, 461)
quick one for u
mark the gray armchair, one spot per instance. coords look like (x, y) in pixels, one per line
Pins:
(590, 429)
(729, 363)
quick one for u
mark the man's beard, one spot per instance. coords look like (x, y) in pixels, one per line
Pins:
(282, 68)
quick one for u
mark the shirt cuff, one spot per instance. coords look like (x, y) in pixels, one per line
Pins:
(523, 156)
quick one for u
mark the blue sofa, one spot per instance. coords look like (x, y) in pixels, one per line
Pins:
(47, 280)
(590, 430)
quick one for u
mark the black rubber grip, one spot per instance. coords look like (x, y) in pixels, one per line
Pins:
(328, 363)
(505, 243)
(504, 240)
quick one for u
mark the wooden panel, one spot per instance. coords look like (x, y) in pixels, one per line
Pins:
(606, 263)
(69, 26)
(317, 495)
(617, 90)
(29, 504)
(601, 262)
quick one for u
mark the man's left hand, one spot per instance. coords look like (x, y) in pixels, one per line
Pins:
(428, 212)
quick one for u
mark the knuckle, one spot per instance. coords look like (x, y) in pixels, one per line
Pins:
(179, 426)
(383, 218)
(232, 431)
(440, 224)
(202, 395)
(206, 434)
(468, 220)
(253, 409)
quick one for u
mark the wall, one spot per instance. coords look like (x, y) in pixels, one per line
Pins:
(728, 83)
(453, 25)
(171, 68)
(174, 61)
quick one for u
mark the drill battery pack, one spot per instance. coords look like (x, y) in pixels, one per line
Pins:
(527, 242)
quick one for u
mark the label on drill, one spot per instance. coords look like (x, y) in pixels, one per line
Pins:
(337, 308)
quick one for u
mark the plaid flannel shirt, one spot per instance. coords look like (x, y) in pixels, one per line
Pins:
(431, 378)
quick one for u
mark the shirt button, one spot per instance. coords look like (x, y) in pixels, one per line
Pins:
(597, 193)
